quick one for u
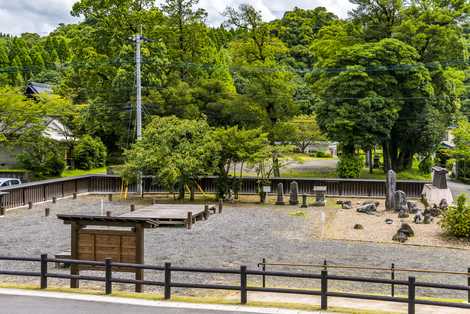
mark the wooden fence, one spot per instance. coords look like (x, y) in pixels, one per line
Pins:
(40, 191)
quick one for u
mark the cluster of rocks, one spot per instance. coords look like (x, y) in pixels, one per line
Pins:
(403, 233)
(368, 207)
(344, 204)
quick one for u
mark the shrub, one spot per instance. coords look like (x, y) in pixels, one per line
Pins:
(323, 155)
(456, 219)
(442, 156)
(43, 157)
(349, 166)
(425, 166)
(89, 153)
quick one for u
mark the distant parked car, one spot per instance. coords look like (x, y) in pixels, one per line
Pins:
(9, 182)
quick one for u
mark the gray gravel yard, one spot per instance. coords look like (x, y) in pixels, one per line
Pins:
(242, 234)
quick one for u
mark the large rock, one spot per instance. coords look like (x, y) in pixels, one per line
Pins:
(367, 209)
(280, 194)
(400, 201)
(418, 218)
(443, 205)
(412, 207)
(406, 229)
(294, 193)
(400, 237)
(391, 187)
(346, 205)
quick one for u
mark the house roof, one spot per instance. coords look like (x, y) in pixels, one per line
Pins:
(36, 88)
(56, 131)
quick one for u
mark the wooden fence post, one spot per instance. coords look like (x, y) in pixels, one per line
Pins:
(108, 275)
(468, 284)
(167, 281)
(221, 205)
(43, 271)
(411, 295)
(189, 221)
(243, 285)
(324, 290)
(393, 278)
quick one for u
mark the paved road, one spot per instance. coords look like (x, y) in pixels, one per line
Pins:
(40, 305)
(458, 188)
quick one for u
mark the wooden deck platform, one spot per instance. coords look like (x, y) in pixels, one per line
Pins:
(173, 214)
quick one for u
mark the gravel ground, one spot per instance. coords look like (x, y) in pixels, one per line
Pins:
(242, 235)
(340, 226)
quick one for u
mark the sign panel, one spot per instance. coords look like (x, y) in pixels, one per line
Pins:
(97, 245)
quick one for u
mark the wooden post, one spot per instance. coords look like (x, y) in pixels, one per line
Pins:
(74, 195)
(132, 207)
(54, 200)
(189, 221)
(324, 290)
(74, 268)
(411, 295)
(2, 211)
(206, 212)
(110, 197)
(30, 205)
(167, 281)
(243, 285)
(468, 284)
(139, 273)
(108, 276)
(46, 212)
(221, 205)
(43, 271)
(108, 213)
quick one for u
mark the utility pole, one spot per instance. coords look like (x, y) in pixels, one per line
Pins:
(138, 82)
(138, 39)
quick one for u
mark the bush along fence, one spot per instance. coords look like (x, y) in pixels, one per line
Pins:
(40, 191)
(243, 273)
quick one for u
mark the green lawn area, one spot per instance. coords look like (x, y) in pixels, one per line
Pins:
(377, 174)
(76, 172)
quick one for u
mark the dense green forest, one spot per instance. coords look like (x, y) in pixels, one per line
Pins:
(395, 74)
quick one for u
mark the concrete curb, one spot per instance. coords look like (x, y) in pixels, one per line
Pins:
(148, 303)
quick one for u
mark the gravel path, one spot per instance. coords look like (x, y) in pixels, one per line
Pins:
(243, 234)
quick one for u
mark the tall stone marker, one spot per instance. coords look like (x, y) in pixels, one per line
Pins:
(391, 188)
(294, 193)
(435, 193)
(280, 195)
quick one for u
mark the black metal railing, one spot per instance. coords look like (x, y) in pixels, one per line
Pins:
(243, 272)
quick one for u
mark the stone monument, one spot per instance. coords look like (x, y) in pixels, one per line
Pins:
(434, 193)
(391, 187)
(320, 195)
(400, 202)
(294, 193)
(280, 194)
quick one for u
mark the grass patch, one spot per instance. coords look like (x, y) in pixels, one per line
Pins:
(78, 172)
(377, 174)
(298, 213)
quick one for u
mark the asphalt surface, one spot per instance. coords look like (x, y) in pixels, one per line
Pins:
(39, 305)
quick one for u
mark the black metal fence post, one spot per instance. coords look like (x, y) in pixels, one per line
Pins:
(108, 275)
(43, 271)
(243, 285)
(411, 295)
(324, 290)
(393, 278)
(167, 281)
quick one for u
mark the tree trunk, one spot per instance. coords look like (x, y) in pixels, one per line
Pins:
(181, 192)
(386, 154)
(276, 170)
